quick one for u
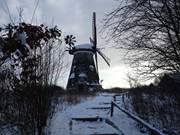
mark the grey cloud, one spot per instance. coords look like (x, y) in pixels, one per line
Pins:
(73, 16)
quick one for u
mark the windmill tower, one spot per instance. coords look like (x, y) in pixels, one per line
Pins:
(84, 69)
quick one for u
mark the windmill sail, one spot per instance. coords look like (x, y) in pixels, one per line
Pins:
(107, 60)
(94, 35)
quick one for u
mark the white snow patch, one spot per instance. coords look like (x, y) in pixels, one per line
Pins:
(82, 75)
(72, 76)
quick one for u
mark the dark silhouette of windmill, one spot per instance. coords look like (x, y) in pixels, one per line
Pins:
(84, 70)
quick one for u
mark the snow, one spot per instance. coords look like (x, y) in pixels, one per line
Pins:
(21, 36)
(82, 75)
(62, 123)
(72, 76)
(141, 121)
(9, 130)
(84, 46)
(91, 67)
(161, 110)
(92, 128)
(175, 76)
(95, 83)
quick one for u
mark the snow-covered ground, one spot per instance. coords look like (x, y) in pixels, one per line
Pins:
(62, 123)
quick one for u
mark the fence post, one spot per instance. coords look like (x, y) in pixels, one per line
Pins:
(112, 108)
(70, 126)
(153, 133)
(114, 98)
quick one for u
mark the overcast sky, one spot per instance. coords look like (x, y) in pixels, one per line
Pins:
(73, 17)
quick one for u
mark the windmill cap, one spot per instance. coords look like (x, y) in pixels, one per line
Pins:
(84, 46)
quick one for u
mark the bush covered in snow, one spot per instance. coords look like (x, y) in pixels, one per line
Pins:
(27, 67)
(158, 104)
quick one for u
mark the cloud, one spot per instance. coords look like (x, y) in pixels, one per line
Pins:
(115, 76)
(74, 17)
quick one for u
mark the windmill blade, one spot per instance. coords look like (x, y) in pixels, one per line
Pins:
(107, 60)
(96, 62)
(95, 53)
(94, 40)
(91, 41)
(94, 34)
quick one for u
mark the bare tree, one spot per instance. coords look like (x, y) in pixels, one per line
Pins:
(150, 32)
(133, 81)
(52, 62)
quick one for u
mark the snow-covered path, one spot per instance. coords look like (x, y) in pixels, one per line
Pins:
(62, 123)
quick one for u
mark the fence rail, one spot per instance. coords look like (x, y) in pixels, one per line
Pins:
(153, 130)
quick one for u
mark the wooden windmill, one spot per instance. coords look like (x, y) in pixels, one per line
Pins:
(84, 69)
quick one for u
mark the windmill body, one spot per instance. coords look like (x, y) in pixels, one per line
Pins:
(83, 74)
(84, 68)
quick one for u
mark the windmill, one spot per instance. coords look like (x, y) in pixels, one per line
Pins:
(84, 69)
